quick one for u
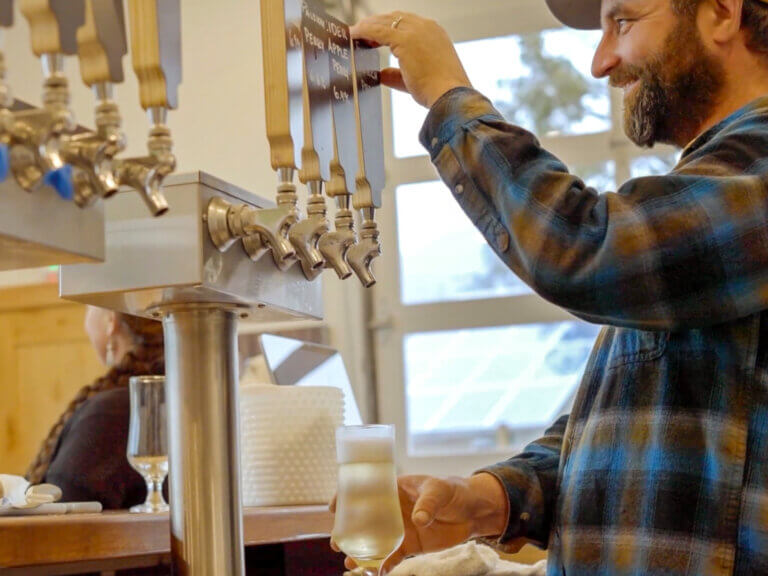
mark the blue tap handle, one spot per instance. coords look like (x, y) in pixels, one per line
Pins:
(61, 181)
(5, 162)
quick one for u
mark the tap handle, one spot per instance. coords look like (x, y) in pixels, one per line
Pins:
(6, 13)
(370, 139)
(53, 24)
(318, 120)
(5, 162)
(344, 165)
(102, 42)
(156, 50)
(60, 179)
(283, 80)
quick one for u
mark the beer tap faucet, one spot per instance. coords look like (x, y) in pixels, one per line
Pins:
(369, 182)
(317, 151)
(102, 44)
(335, 244)
(37, 137)
(156, 56)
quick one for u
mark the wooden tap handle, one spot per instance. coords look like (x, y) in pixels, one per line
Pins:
(53, 24)
(283, 95)
(102, 42)
(156, 50)
(370, 135)
(6, 13)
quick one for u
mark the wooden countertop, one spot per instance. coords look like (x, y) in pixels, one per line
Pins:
(120, 539)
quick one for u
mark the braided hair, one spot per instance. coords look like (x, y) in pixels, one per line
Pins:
(146, 358)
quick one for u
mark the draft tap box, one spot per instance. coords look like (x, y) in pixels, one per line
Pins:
(154, 262)
(41, 229)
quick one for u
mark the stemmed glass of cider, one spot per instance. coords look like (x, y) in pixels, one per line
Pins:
(148, 439)
(368, 525)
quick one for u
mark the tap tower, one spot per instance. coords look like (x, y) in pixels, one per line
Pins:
(323, 113)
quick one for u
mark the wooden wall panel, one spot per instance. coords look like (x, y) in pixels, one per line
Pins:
(45, 358)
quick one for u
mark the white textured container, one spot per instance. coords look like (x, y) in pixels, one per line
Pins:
(287, 446)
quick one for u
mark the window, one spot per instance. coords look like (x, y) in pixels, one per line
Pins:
(470, 362)
(519, 84)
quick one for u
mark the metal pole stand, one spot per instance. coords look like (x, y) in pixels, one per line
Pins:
(203, 425)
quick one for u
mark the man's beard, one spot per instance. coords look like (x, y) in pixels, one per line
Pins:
(677, 90)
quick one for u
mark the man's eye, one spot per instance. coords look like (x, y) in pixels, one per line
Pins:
(622, 24)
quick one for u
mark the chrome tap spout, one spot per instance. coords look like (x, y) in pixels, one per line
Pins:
(264, 230)
(261, 230)
(95, 152)
(360, 256)
(144, 176)
(146, 173)
(305, 234)
(335, 245)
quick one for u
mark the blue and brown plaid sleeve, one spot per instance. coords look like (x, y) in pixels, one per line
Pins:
(683, 250)
(530, 481)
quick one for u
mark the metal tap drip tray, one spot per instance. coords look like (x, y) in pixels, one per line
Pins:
(39, 229)
(160, 262)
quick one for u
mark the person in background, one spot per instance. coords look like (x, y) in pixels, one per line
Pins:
(85, 451)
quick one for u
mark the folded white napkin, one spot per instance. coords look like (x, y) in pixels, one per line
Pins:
(470, 559)
(19, 498)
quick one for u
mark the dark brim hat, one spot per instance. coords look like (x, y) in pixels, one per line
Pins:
(579, 14)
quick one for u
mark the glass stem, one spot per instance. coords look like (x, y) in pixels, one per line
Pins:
(155, 491)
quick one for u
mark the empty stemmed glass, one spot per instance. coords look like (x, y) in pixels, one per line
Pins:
(368, 525)
(148, 439)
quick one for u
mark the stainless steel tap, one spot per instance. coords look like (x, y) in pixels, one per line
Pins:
(360, 256)
(305, 234)
(156, 55)
(41, 134)
(317, 152)
(145, 174)
(335, 244)
(345, 163)
(369, 181)
(101, 45)
(261, 230)
(94, 152)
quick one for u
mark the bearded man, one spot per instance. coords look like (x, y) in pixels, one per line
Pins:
(662, 465)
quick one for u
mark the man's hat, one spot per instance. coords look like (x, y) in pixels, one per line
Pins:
(580, 14)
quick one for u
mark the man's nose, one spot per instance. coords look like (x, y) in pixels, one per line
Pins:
(605, 58)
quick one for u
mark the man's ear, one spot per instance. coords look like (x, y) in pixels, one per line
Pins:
(720, 20)
(113, 323)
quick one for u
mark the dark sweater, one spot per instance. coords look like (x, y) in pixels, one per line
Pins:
(90, 462)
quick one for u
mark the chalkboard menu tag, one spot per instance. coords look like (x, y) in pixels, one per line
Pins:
(343, 98)
(370, 122)
(318, 77)
(6, 13)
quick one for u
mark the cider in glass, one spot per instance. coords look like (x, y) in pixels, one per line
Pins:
(368, 525)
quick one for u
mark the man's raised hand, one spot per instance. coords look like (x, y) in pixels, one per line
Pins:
(429, 65)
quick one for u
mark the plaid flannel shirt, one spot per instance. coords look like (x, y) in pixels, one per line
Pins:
(662, 466)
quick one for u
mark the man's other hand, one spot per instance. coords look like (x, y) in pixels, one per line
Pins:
(429, 65)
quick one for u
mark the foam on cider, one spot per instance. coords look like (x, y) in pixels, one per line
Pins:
(367, 449)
